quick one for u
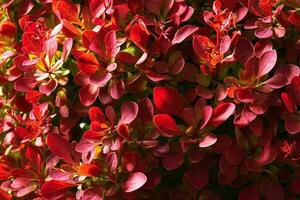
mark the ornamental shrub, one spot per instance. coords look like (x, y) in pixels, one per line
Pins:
(149, 99)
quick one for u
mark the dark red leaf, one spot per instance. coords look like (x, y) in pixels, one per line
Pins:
(164, 100)
(172, 161)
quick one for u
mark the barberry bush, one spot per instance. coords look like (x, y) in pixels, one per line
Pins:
(149, 99)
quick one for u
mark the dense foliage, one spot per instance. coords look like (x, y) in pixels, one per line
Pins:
(149, 99)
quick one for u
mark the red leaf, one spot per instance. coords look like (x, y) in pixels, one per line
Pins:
(96, 114)
(139, 34)
(33, 155)
(164, 100)
(8, 29)
(289, 102)
(266, 62)
(88, 63)
(294, 18)
(4, 195)
(166, 124)
(221, 113)
(31, 42)
(91, 41)
(53, 189)
(60, 147)
(183, 33)
(134, 182)
(32, 96)
(70, 30)
(172, 161)
(68, 11)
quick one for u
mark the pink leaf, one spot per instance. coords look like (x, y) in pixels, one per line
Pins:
(266, 62)
(206, 115)
(208, 140)
(262, 46)
(276, 82)
(134, 182)
(263, 33)
(50, 47)
(112, 161)
(49, 87)
(289, 71)
(129, 111)
(225, 44)
(67, 48)
(183, 33)
(100, 79)
(27, 189)
(111, 44)
(117, 89)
